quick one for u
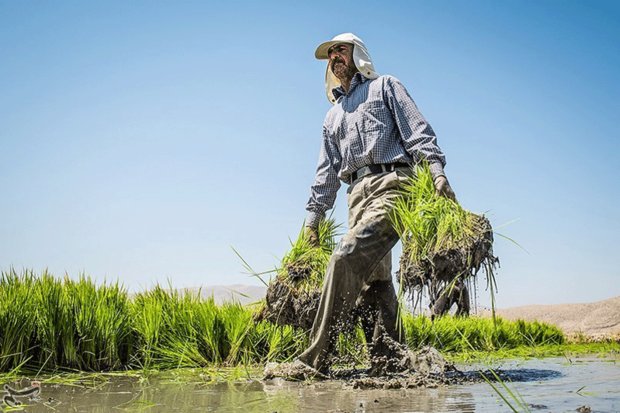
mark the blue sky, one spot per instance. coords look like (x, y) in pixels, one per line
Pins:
(139, 141)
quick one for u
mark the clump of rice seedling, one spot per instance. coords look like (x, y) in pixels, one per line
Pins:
(293, 294)
(99, 316)
(444, 246)
(17, 319)
(169, 326)
(461, 335)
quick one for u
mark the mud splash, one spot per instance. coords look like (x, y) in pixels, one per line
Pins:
(425, 367)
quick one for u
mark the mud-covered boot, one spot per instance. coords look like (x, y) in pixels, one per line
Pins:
(296, 371)
(426, 361)
(387, 356)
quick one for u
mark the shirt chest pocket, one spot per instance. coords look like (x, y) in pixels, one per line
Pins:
(373, 118)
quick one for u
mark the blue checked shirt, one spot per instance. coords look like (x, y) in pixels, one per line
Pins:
(377, 122)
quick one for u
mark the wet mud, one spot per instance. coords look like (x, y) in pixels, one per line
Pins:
(424, 368)
(288, 305)
(548, 385)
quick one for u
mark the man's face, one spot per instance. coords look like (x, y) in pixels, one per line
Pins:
(341, 60)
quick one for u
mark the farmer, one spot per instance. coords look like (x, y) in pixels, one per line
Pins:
(372, 136)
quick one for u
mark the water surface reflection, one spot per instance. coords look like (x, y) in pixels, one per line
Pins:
(547, 385)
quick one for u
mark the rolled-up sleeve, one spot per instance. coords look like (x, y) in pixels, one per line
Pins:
(416, 133)
(326, 183)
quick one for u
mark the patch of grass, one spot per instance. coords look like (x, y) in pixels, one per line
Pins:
(463, 334)
(50, 324)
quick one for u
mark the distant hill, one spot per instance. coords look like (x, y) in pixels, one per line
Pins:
(597, 319)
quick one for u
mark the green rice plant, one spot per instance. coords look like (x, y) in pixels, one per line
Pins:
(80, 297)
(148, 321)
(238, 322)
(443, 244)
(462, 334)
(293, 295)
(262, 342)
(73, 324)
(49, 323)
(285, 342)
(168, 326)
(512, 398)
(428, 223)
(100, 315)
(210, 330)
(178, 345)
(304, 263)
(351, 347)
(56, 329)
(17, 319)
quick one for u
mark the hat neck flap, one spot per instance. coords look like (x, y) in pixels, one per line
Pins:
(363, 63)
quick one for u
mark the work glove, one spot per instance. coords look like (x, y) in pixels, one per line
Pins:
(312, 234)
(442, 187)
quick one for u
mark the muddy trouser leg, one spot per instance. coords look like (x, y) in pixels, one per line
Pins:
(378, 309)
(351, 266)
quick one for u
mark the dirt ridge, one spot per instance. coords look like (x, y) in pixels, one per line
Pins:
(598, 319)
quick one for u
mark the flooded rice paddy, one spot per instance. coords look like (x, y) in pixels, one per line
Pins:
(546, 385)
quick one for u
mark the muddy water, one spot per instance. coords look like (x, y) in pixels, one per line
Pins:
(548, 385)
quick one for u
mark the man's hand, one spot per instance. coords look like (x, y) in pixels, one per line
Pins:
(313, 236)
(442, 187)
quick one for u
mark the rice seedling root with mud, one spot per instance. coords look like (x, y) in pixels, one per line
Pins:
(444, 246)
(292, 297)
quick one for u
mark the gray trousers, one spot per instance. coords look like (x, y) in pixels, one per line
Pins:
(359, 273)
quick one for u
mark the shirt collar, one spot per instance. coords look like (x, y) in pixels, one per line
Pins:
(357, 79)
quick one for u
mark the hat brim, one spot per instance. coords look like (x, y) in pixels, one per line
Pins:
(321, 51)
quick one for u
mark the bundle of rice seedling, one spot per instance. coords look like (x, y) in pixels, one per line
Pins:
(293, 294)
(444, 246)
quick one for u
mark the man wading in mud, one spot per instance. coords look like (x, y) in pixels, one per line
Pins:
(372, 137)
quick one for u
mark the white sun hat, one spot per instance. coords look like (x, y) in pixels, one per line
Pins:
(361, 59)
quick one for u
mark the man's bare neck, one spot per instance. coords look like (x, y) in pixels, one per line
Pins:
(346, 81)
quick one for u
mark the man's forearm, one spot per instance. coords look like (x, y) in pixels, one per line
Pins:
(314, 218)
